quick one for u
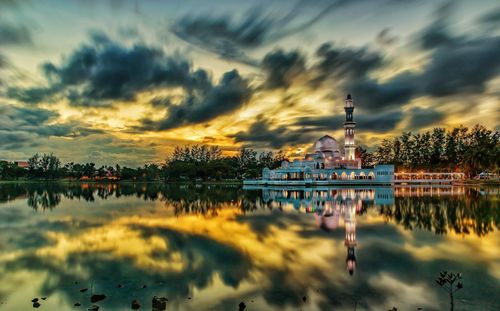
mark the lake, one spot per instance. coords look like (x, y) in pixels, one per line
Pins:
(212, 247)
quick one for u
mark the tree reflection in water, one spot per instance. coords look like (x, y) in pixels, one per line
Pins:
(437, 209)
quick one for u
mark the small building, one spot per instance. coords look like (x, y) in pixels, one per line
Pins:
(329, 164)
(22, 164)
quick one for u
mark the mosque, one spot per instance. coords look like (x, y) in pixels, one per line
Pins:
(328, 164)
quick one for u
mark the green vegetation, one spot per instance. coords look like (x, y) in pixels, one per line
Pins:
(203, 163)
(461, 149)
(471, 151)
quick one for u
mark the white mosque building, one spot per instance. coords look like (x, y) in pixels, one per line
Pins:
(328, 164)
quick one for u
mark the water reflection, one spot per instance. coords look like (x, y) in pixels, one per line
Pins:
(438, 209)
(269, 247)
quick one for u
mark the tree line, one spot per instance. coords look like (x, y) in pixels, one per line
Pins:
(460, 149)
(204, 163)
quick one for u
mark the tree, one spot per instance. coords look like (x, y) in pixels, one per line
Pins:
(447, 281)
(365, 156)
(45, 166)
(438, 147)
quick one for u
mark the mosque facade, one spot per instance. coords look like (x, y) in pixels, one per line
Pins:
(329, 164)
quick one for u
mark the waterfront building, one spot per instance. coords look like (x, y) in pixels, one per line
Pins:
(328, 163)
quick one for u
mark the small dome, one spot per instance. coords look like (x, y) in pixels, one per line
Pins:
(326, 143)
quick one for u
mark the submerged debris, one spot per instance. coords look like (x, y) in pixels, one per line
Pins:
(159, 303)
(135, 304)
(97, 297)
(242, 306)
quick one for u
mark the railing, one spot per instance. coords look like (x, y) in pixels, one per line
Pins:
(426, 177)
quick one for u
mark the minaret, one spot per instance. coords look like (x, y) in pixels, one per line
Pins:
(349, 124)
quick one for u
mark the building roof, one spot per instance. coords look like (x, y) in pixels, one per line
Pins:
(326, 143)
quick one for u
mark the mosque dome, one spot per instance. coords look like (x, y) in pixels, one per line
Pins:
(326, 143)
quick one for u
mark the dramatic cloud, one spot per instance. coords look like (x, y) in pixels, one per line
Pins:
(205, 104)
(462, 66)
(381, 122)
(344, 64)
(21, 125)
(106, 71)
(227, 36)
(437, 33)
(384, 38)
(281, 68)
(261, 135)
(423, 117)
(11, 34)
(491, 19)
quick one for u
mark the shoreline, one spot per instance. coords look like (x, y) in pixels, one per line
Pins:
(467, 182)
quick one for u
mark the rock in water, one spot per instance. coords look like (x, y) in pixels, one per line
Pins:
(97, 297)
(34, 300)
(77, 304)
(242, 306)
(83, 290)
(44, 298)
(159, 304)
(36, 305)
(304, 299)
(93, 308)
(135, 305)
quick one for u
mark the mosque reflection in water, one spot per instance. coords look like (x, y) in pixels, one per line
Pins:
(330, 206)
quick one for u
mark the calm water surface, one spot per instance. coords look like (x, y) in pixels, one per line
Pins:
(212, 247)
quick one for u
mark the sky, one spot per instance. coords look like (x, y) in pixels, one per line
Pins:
(125, 82)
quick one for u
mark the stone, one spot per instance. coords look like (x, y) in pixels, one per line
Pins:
(97, 297)
(77, 304)
(242, 306)
(34, 300)
(44, 298)
(304, 299)
(93, 308)
(144, 286)
(36, 305)
(159, 303)
(120, 286)
(135, 304)
(83, 290)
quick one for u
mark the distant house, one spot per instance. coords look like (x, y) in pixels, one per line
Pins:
(22, 164)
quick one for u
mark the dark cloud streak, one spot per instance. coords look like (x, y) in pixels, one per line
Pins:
(204, 105)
